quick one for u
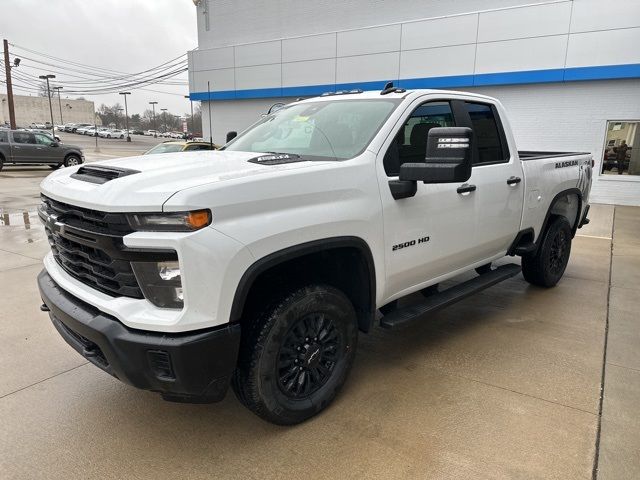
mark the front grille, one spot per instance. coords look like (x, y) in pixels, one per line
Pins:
(86, 244)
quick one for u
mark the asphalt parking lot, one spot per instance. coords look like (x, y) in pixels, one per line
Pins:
(506, 384)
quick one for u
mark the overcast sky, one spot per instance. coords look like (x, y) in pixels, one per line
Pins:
(123, 35)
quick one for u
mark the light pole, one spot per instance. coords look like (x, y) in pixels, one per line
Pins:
(59, 103)
(164, 118)
(193, 124)
(47, 77)
(118, 110)
(155, 132)
(126, 113)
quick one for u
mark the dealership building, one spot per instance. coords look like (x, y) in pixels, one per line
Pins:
(568, 72)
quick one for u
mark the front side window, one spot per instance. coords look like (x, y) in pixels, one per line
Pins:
(43, 139)
(410, 143)
(4, 136)
(325, 130)
(487, 134)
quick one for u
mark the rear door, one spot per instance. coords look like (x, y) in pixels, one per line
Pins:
(24, 147)
(498, 178)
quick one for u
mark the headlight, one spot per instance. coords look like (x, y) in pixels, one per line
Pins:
(160, 282)
(170, 221)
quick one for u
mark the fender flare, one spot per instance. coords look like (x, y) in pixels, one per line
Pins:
(274, 259)
(563, 193)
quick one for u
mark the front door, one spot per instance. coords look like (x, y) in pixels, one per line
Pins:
(432, 233)
(24, 148)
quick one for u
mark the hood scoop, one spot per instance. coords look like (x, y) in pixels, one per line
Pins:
(277, 159)
(101, 174)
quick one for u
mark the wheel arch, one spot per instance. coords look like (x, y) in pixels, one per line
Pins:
(344, 262)
(561, 205)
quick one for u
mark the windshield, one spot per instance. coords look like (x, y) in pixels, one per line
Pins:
(338, 129)
(166, 148)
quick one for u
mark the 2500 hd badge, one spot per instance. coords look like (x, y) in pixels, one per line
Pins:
(411, 243)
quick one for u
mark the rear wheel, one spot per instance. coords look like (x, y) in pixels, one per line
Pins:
(1, 162)
(72, 160)
(295, 357)
(547, 266)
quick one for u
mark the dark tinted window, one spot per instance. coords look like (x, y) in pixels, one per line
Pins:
(410, 143)
(198, 147)
(4, 136)
(487, 133)
(24, 137)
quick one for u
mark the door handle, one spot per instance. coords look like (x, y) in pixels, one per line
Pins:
(466, 188)
(513, 180)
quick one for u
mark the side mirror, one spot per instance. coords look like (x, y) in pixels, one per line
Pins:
(231, 135)
(448, 157)
(54, 144)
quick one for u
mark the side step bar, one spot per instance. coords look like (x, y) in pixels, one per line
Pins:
(451, 295)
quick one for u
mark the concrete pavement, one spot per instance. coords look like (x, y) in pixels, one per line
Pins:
(506, 384)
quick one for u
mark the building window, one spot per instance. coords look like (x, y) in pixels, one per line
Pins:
(622, 149)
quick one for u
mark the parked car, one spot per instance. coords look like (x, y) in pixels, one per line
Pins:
(112, 133)
(171, 146)
(259, 264)
(68, 127)
(137, 132)
(90, 131)
(35, 148)
(81, 128)
(151, 133)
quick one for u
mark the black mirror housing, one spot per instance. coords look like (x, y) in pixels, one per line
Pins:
(231, 135)
(448, 157)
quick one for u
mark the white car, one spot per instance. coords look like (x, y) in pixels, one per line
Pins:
(111, 133)
(151, 133)
(83, 130)
(263, 261)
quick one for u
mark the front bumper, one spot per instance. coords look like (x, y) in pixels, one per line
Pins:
(190, 367)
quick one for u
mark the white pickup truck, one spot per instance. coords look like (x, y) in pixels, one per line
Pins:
(259, 264)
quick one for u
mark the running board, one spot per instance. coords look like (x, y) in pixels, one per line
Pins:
(434, 302)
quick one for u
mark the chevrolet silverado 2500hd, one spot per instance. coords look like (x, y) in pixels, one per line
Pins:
(259, 264)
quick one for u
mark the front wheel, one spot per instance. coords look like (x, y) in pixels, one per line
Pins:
(546, 267)
(295, 357)
(72, 160)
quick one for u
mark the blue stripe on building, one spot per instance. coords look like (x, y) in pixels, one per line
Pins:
(603, 72)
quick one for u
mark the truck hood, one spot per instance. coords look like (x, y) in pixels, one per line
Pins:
(157, 178)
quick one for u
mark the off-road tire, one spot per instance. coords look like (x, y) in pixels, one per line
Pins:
(72, 160)
(546, 267)
(266, 346)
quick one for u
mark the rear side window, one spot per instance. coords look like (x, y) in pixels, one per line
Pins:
(488, 133)
(24, 137)
(4, 136)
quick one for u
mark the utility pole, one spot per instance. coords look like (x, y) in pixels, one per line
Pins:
(193, 124)
(155, 132)
(126, 113)
(47, 77)
(118, 110)
(59, 103)
(164, 117)
(7, 69)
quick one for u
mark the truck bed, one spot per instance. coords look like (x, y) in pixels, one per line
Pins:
(539, 155)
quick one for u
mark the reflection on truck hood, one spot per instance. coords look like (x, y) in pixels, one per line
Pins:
(160, 176)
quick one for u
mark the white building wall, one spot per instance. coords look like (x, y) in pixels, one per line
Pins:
(32, 109)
